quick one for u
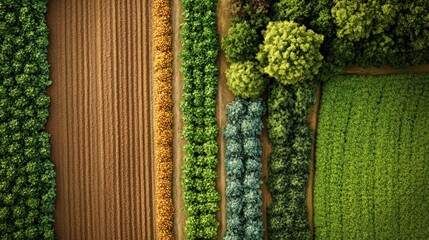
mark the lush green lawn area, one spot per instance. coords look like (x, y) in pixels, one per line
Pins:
(372, 159)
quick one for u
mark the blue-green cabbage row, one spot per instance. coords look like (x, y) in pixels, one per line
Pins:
(291, 138)
(199, 56)
(243, 169)
(27, 176)
(372, 158)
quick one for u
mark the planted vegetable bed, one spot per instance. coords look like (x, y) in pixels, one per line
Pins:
(372, 158)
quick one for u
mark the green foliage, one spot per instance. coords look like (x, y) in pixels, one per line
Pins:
(245, 80)
(27, 176)
(255, 12)
(290, 52)
(382, 32)
(241, 43)
(243, 169)
(199, 56)
(364, 33)
(288, 110)
(371, 163)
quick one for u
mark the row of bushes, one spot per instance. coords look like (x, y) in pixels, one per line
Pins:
(364, 33)
(291, 138)
(244, 119)
(199, 56)
(27, 176)
(371, 168)
(243, 169)
(163, 89)
(288, 53)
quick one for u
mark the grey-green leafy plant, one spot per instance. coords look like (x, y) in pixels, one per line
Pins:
(243, 169)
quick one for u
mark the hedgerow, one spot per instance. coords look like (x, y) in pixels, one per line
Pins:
(291, 137)
(371, 164)
(163, 89)
(290, 52)
(243, 169)
(199, 56)
(27, 176)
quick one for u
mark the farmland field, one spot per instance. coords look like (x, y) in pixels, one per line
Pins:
(101, 119)
(372, 158)
(214, 119)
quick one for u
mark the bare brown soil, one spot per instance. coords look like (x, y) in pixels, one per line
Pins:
(101, 118)
(178, 141)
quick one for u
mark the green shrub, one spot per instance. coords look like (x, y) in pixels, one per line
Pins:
(291, 138)
(241, 42)
(254, 12)
(371, 164)
(290, 52)
(199, 56)
(245, 80)
(27, 176)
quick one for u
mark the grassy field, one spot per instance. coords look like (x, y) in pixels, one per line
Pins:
(372, 158)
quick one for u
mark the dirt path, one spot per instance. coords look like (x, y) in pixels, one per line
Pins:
(101, 118)
(224, 96)
(178, 141)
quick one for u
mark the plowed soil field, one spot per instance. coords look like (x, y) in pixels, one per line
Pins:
(101, 118)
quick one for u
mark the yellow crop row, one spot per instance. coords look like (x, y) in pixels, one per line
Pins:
(163, 71)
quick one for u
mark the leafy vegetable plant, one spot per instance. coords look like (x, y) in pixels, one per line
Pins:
(199, 55)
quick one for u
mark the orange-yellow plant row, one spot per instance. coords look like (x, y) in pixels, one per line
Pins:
(163, 71)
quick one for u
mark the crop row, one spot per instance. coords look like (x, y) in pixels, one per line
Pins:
(371, 166)
(288, 110)
(243, 169)
(199, 56)
(163, 72)
(27, 176)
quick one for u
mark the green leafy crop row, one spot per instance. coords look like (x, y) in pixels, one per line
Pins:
(199, 55)
(243, 169)
(291, 137)
(27, 177)
(372, 158)
(362, 32)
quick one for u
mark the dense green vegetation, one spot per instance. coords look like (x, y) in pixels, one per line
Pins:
(290, 52)
(199, 55)
(241, 43)
(27, 176)
(243, 169)
(291, 138)
(372, 158)
(245, 79)
(364, 33)
(244, 119)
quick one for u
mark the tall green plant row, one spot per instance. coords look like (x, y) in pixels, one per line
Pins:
(199, 55)
(291, 137)
(27, 176)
